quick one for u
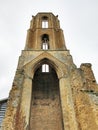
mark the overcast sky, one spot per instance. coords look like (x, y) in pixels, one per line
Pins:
(78, 19)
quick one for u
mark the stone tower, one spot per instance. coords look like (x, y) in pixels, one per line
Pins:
(49, 92)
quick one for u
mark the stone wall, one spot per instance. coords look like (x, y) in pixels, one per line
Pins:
(85, 97)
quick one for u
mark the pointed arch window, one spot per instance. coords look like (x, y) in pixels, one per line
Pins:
(45, 22)
(45, 42)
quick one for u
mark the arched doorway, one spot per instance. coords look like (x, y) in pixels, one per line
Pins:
(46, 107)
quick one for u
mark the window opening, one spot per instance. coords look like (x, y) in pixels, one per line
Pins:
(45, 41)
(45, 22)
(45, 46)
(45, 68)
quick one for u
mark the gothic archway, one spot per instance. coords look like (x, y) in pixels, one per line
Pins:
(45, 107)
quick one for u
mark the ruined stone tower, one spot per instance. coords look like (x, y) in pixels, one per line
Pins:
(49, 92)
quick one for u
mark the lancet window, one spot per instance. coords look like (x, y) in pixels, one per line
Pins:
(45, 42)
(45, 22)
